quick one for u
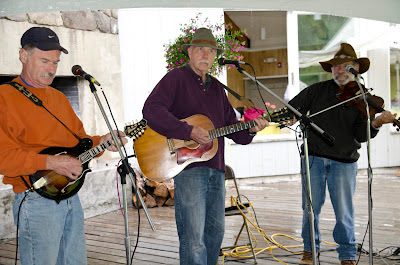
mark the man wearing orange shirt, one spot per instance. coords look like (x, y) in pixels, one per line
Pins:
(49, 232)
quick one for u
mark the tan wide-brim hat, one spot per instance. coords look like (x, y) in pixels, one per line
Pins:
(346, 54)
(203, 37)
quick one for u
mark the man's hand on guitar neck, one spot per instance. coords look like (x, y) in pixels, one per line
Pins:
(261, 124)
(107, 137)
(64, 165)
(200, 135)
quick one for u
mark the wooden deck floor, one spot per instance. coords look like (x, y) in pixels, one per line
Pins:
(278, 211)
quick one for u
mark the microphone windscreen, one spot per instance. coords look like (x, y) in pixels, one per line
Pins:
(75, 69)
(221, 61)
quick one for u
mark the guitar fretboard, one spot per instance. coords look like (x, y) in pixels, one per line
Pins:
(89, 154)
(277, 116)
(215, 133)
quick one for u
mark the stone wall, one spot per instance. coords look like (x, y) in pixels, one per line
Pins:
(105, 21)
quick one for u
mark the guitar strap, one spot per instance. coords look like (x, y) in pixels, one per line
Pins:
(244, 100)
(39, 103)
(30, 188)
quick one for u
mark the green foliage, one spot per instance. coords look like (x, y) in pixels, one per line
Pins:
(224, 34)
(315, 34)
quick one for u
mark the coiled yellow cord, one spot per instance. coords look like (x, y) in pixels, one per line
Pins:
(241, 251)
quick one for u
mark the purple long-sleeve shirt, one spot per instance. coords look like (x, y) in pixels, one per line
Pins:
(181, 93)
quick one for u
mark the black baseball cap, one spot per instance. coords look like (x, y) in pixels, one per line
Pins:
(42, 38)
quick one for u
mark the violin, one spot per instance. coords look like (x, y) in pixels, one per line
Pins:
(352, 95)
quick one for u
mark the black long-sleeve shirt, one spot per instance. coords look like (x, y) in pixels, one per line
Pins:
(345, 123)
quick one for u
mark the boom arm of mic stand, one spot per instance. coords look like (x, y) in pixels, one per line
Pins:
(329, 138)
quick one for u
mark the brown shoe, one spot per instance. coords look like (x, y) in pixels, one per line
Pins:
(348, 262)
(307, 258)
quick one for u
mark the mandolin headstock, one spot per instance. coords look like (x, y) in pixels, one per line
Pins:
(135, 130)
(282, 115)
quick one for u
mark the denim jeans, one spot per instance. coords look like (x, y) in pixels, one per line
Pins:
(50, 233)
(200, 214)
(341, 180)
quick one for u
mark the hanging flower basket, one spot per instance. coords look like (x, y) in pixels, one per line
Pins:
(224, 34)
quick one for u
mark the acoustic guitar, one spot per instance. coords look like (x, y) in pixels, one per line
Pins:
(161, 158)
(56, 187)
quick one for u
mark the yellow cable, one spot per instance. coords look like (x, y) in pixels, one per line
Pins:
(240, 251)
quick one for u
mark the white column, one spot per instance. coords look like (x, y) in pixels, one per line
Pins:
(292, 55)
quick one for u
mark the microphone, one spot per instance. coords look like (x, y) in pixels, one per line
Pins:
(350, 69)
(77, 70)
(223, 61)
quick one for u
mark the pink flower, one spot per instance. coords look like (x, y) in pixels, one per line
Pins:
(267, 104)
(273, 106)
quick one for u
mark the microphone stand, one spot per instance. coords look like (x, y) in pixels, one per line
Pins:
(369, 170)
(123, 170)
(305, 124)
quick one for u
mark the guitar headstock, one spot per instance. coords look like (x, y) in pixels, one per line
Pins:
(135, 130)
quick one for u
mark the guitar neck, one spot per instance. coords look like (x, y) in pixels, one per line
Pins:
(277, 116)
(89, 154)
(215, 133)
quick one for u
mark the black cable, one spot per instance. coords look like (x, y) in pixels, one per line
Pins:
(138, 211)
(136, 190)
(115, 123)
(19, 209)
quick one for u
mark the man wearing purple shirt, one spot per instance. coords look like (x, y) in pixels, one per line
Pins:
(199, 188)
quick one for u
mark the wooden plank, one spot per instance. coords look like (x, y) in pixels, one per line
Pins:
(278, 210)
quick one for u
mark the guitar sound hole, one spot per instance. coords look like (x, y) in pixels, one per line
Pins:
(192, 144)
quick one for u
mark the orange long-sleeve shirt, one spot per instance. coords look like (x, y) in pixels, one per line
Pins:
(26, 129)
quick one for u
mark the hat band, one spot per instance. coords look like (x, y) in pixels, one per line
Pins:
(342, 56)
(204, 41)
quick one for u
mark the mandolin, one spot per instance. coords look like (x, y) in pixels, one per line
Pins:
(56, 187)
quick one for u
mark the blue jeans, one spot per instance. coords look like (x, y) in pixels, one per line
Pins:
(200, 214)
(50, 233)
(341, 180)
